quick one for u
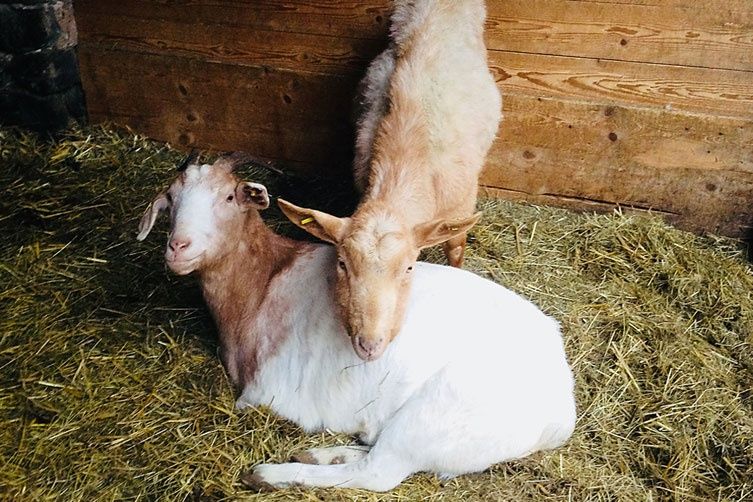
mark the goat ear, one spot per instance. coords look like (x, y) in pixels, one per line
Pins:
(252, 195)
(150, 215)
(438, 231)
(325, 226)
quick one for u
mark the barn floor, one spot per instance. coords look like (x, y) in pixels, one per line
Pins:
(111, 389)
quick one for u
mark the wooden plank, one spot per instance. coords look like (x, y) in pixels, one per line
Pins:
(698, 169)
(709, 34)
(737, 5)
(366, 19)
(712, 34)
(693, 89)
(231, 43)
(719, 92)
(273, 113)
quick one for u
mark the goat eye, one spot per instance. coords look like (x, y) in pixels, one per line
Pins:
(230, 198)
(341, 264)
(169, 198)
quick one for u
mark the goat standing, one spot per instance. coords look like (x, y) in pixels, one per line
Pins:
(431, 112)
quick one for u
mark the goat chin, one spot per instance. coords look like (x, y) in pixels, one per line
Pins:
(183, 267)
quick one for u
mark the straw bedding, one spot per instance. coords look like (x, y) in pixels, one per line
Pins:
(110, 385)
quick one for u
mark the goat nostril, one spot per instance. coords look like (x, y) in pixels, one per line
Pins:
(179, 244)
(363, 347)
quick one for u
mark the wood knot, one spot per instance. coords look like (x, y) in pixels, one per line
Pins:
(185, 139)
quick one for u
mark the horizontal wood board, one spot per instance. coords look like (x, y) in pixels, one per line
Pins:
(645, 104)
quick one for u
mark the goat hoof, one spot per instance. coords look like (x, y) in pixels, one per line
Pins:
(255, 482)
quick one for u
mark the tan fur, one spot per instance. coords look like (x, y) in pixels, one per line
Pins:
(419, 152)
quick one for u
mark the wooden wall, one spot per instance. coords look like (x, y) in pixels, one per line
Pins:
(641, 103)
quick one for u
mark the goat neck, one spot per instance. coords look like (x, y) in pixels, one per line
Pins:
(235, 289)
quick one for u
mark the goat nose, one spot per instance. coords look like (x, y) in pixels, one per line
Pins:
(367, 349)
(179, 244)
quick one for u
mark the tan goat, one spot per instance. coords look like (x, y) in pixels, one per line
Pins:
(431, 112)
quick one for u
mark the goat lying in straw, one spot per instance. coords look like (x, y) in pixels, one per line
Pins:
(435, 401)
(431, 112)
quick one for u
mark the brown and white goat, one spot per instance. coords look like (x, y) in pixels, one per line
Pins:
(433, 402)
(431, 112)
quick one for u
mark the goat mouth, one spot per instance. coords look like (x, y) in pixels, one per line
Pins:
(183, 267)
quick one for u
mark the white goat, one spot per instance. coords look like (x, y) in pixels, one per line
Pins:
(476, 376)
(431, 112)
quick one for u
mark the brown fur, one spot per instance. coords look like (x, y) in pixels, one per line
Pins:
(235, 289)
(237, 271)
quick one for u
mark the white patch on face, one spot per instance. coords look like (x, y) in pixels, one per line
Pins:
(194, 215)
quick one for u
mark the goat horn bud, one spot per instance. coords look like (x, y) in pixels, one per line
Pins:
(187, 161)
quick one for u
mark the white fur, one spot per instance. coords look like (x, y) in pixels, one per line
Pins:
(478, 375)
(196, 220)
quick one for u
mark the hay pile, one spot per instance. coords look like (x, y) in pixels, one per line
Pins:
(110, 386)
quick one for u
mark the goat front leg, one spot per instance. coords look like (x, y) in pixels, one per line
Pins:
(370, 473)
(454, 250)
(333, 455)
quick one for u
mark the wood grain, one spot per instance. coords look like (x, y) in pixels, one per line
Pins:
(366, 19)
(693, 89)
(724, 92)
(702, 90)
(696, 168)
(231, 44)
(709, 34)
(273, 113)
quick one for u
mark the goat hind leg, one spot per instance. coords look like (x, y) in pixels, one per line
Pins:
(454, 250)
